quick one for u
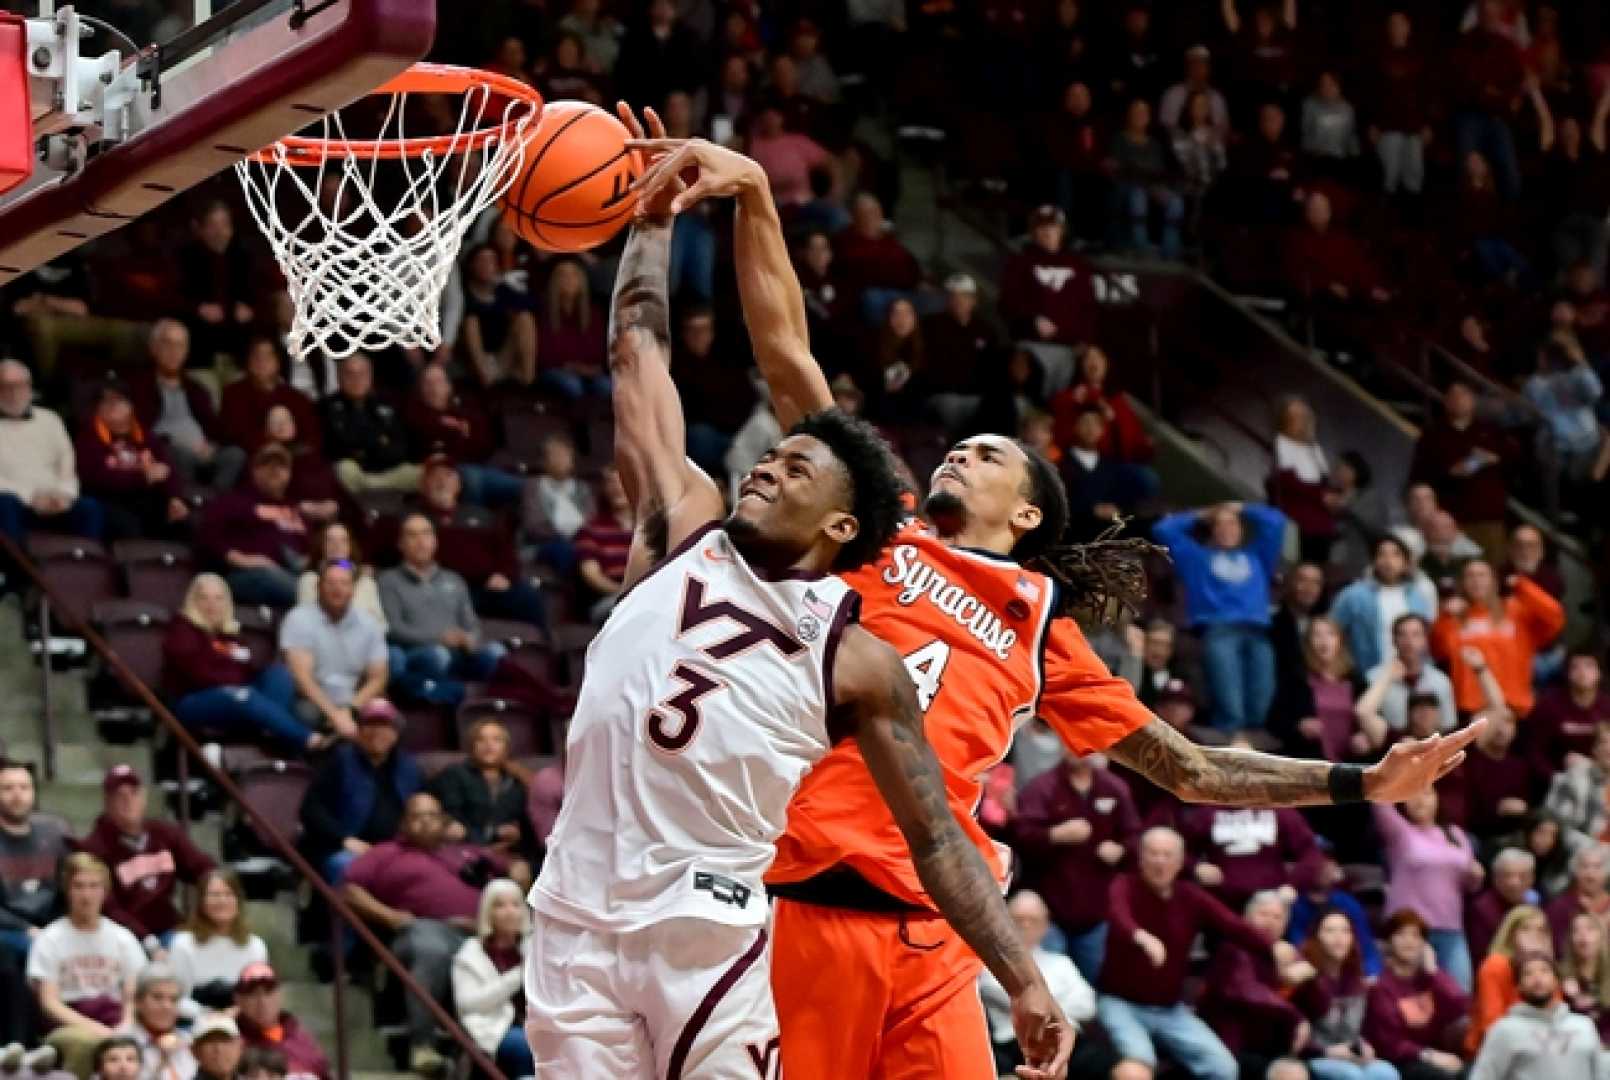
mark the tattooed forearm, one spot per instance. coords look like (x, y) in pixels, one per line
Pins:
(641, 301)
(950, 867)
(1221, 775)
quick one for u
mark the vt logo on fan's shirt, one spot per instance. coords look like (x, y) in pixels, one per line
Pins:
(1052, 278)
(1244, 832)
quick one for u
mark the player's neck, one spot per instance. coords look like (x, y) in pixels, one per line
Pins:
(996, 541)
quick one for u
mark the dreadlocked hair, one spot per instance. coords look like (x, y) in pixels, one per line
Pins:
(1097, 581)
(875, 487)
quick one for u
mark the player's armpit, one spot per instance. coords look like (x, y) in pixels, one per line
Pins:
(873, 689)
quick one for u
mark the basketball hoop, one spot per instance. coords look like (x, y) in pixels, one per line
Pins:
(366, 269)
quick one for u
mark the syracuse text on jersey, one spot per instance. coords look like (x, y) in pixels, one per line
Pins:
(917, 579)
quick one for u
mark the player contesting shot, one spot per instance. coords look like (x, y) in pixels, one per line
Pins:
(731, 665)
(977, 598)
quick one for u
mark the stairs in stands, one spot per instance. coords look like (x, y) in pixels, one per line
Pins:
(82, 757)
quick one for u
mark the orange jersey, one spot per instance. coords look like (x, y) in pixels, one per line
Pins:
(986, 655)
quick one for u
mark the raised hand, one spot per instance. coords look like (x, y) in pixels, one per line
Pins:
(720, 172)
(649, 204)
(1412, 766)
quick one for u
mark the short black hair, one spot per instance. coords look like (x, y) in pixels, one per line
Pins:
(107, 1045)
(875, 487)
(269, 1059)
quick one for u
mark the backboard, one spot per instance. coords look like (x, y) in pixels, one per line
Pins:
(122, 125)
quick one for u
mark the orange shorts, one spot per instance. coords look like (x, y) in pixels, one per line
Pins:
(876, 996)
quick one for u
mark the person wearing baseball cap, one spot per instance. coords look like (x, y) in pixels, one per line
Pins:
(216, 1045)
(1048, 295)
(1198, 80)
(255, 534)
(264, 1023)
(960, 343)
(148, 859)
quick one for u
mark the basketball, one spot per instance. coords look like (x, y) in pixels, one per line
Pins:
(575, 191)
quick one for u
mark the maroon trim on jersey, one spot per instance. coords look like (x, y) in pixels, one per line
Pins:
(849, 612)
(701, 1015)
(675, 553)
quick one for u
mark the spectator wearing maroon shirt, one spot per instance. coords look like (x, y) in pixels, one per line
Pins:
(1153, 920)
(248, 399)
(1578, 178)
(1413, 1007)
(1488, 74)
(877, 267)
(215, 278)
(256, 536)
(1300, 484)
(1235, 853)
(828, 309)
(148, 859)
(313, 486)
(1327, 264)
(1398, 101)
(216, 684)
(1587, 894)
(441, 421)
(265, 1025)
(1245, 994)
(127, 471)
(1459, 456)
(1498, 781)
(1513, 876)
(604, 543)
(426, 893)
(178, 408)
(571, 331)
(1073, 826)
(474, 544)
(1567, 724)
(1048, 294)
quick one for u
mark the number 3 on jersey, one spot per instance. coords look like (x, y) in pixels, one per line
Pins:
(927, 669)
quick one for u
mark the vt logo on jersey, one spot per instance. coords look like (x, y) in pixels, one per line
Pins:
(672, 734)
(917, 579)
(768, 1059)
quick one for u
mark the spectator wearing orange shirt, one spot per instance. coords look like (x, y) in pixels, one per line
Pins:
(1508, 631)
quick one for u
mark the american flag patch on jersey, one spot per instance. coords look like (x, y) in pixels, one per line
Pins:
(815, 606)
(1027, 589)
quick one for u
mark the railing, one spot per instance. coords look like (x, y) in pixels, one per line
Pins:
(49, 599)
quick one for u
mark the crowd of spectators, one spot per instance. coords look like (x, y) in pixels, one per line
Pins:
(1364, 160)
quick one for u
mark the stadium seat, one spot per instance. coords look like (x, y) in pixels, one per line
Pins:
(275, 790)
(77, 569)
(426, 728)
(433, 762)
(259, 629)
(134, 629)
(514, 634)
(528, 729)
(155, 570)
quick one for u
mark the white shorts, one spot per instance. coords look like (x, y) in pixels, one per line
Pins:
(685, 999)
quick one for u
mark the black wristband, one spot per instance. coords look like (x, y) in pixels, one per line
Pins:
(1346, 783)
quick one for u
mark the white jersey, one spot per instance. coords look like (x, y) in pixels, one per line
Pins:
(704, 704)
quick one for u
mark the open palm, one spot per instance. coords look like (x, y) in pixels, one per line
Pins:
(1414, 765)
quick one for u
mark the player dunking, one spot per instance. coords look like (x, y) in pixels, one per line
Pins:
(868, 981)
(730, 666)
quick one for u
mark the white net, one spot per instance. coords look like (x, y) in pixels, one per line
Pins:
(367, 241)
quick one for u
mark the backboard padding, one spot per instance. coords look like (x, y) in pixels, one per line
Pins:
(252, 90)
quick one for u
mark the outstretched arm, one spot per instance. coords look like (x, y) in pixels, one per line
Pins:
(871, 684)
(672, 495)
(1230, 777)
(773, 303)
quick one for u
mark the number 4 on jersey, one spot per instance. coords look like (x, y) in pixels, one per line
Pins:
(927, 669)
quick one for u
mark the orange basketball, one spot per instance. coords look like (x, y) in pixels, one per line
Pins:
(575, 191)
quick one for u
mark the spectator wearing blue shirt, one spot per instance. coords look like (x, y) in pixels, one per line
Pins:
(1367, 609)
(1564, 389)
(1318, 885)
(1227, 576)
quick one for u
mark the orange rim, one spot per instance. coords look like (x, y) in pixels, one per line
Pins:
(419, 79)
